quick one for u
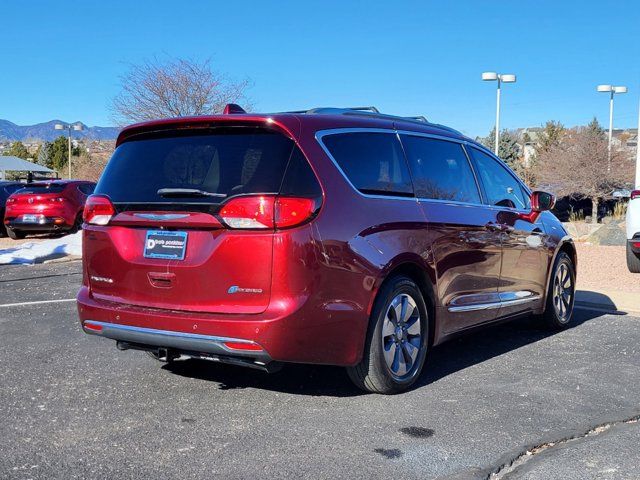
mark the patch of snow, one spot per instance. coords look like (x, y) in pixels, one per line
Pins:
(37, 252)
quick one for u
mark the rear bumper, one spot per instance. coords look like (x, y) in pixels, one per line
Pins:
(297, 332)
(45, 224)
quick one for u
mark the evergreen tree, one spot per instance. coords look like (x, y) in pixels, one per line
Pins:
(17, 149)
(508, 150)
(44, 155)
(550, 136)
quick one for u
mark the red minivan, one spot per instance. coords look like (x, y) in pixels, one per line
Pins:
(330, 236)
(49, 206)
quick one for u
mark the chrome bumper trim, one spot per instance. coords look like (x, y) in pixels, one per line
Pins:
(187, 342)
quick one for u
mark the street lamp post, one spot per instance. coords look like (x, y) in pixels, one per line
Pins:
(612, 91)
(500, 78)
(638, 152)
(69, 127)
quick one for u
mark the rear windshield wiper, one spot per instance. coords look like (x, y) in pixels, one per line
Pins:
(187, 192)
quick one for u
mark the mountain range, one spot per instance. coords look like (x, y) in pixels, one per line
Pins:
(9, 131)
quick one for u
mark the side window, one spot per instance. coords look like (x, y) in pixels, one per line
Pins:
(86, 188)
(500, 185)
(373, 162)
(440, 169)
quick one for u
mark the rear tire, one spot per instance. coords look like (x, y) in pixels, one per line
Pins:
(397, 339)
(558, 311)
(633, 260)
(15, 235)
(77, 224)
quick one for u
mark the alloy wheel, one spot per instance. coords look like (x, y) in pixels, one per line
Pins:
(402, 336)
(563, 293)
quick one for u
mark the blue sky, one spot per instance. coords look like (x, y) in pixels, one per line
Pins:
(63, 59)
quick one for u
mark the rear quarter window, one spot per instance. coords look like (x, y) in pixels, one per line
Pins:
(373, 162)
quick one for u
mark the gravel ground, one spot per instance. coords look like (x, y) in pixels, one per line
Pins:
(605, 268)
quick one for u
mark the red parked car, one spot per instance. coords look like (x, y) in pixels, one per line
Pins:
(50, 206)
(331, 236)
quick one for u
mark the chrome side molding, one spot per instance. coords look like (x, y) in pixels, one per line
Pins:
(488, 301)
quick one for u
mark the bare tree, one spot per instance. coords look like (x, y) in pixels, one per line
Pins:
(174, 88)
(578, 166)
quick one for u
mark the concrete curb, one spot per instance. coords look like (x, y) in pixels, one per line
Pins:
(613, 301)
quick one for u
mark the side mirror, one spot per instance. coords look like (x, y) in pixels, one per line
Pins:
(542, 201)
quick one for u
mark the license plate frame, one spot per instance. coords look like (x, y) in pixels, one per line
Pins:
(167, 245)
(31, 218)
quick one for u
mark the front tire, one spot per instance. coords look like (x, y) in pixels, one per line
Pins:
(633, 260)
(397, 339)
(561, 295)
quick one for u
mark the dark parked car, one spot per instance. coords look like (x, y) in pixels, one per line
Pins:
(332, 236)
(6, 189)
(50, 206)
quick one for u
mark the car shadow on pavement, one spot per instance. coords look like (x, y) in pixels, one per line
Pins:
(316, 380)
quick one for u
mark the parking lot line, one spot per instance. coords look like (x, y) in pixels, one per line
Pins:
(37, 302)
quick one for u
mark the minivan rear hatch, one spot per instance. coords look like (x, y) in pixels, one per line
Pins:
(166, 245)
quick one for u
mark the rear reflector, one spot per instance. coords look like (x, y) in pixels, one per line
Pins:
(98, 210)
(266, 212)
(242, 346)
(93, 326)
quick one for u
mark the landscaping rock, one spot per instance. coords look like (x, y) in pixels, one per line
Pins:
(609, 234)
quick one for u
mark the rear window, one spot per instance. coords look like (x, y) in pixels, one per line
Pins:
(373, 162)
(42, 188)
(221, 161)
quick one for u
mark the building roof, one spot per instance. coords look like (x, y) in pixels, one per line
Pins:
(15, 164)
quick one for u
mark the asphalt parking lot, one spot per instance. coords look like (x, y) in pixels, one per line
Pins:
(512, 401)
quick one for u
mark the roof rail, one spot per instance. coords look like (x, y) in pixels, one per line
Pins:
(325, 110)
(373, 111)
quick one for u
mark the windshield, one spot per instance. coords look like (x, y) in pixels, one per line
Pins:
(173, 167)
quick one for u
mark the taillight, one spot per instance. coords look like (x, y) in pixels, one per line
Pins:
(98, 210)
(635, 194)
(264, 212)
(249, 212)
(293, 211)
